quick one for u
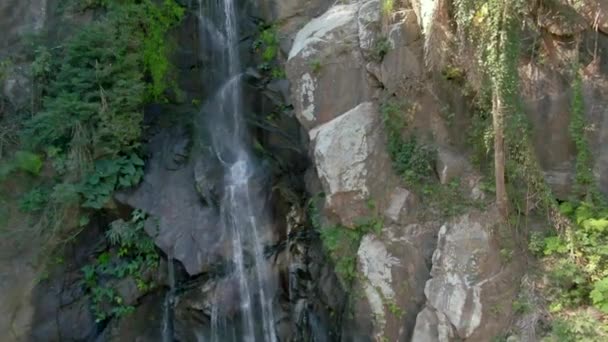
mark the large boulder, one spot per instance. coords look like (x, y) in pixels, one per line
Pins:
(351, 162)
(547, 97)
(326, 67)
(470, 292)
(393, 268)
(183, 223)
(403, 61)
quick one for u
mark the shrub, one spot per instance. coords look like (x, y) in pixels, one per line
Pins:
(34, 200)
(577, 259)
(411, 159)
(578, 327)
(109, 175)
(25, 161)
(382, 47)
(96, 84)
(133, 255)
(267, 46)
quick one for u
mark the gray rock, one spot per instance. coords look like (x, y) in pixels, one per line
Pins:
(281, 90)
(393, 268)
(402, 204)
(144, 324)
(450, 165)
(20, 18)
(369, 21)
(208, 175)
(326, 68)
(468, 276)
(349, 179)
(128, 291)
(547, 96)
(404, 60)
(182, 225)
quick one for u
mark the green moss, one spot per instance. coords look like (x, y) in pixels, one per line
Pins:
(584, 180)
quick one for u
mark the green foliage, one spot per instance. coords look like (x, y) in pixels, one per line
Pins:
(412, 160)
(95, 85)
(42, 64)
(447, 199)
(315, 65)
(147, 22)
(585, 180)
(481, 134)
(154, 23)
(578, 258)
(453, 73)
(133, 255)
(109, 175)
(267, 45)
(28, 162)
(94, 101)
(576, 328)
(342, 243)
(5, 65)
(536, 244)
(394, 308)
(521, 306)
(25, 161)
(381, 48)
(35, 200)
(599, 294)
(388, 6)
(95, 98)
(492, 29)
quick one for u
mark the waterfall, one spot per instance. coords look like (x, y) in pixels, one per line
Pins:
(243, 221)
(168, 305)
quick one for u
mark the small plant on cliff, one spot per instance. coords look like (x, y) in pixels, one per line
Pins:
(412, 160)
(388, 6)
(381, 48)
(315, 65)
(5, 65)
(267, 46)
(133, 255)
(584, 181)
(342, 243)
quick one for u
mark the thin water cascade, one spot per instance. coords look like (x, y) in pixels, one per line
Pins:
(243, 220)
(168, 305)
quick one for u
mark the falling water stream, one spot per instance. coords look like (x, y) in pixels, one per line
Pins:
(167, 328)
(243, 220)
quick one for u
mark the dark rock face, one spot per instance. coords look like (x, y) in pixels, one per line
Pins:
(183, 225)
(62, 309)
(181, 188)
(144, 324)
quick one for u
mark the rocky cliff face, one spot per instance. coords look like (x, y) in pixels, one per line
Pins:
(338, 82)
(420, 276)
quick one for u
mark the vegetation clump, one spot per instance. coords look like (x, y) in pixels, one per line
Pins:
(87, 128)
(411, 159)
(267, 46)
(133, 255)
